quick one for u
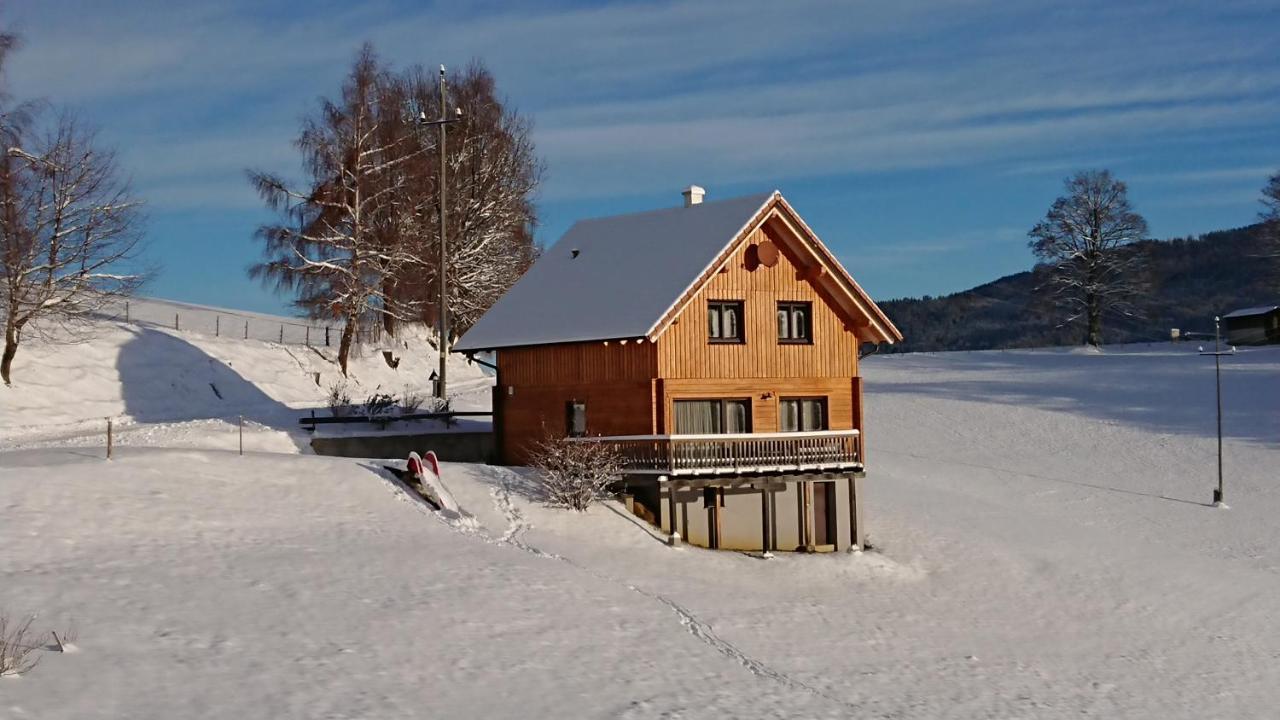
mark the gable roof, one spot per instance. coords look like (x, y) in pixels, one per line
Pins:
(627, 276)
(1250, 312)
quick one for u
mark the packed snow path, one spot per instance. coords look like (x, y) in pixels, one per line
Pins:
(1044, 549)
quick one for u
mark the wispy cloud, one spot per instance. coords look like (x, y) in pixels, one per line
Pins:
(633, 97)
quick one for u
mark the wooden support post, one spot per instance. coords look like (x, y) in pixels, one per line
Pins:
(246, 329)
(326, 336)
(308, 340)
(282, 334)
(857, 529)
(673, 537)
(110, 439)
(126, 312)
(217, 325)
(175, 321)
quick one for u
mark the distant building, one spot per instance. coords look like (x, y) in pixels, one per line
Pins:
(1254, 326)
(716, 346)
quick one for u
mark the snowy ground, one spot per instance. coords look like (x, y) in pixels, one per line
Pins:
(188, 388)
(1044, 549)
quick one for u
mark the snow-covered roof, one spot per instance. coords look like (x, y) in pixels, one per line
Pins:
(612, 277)
(1248, 312)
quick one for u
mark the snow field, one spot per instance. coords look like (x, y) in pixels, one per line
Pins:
(1043, 548)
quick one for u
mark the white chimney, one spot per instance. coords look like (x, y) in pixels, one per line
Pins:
(693, 195)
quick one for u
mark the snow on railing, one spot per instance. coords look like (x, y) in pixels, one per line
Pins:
(729, 453)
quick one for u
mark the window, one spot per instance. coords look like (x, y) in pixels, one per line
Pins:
(705, 417)
(793, 322)
(575, 418)
(724, 321)
(802, 414)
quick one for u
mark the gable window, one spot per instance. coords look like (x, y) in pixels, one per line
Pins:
(706, 417)
(575, 418)
(724, 321)
(794, 324)
(802, 414)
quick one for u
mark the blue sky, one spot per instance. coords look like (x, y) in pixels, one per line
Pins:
(920, 139)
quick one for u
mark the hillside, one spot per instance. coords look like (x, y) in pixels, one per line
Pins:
(153, 379)
(1042, 542)
(1191, 280)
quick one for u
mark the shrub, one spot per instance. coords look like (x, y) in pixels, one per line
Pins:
(16, 646)
(378, 406)
(339, 399)
(411, 401)
(574, 472)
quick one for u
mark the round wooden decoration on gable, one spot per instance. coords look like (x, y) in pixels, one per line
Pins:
(767, 253)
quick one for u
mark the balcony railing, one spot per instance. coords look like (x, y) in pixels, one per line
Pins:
(736, 453)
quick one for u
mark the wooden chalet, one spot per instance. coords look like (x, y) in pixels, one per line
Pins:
(716, 345)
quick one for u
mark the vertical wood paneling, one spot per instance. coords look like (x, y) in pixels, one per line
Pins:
(683, 350)
(570, 363)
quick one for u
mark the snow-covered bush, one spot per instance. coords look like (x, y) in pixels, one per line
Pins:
(339, 399)
(574, 472)
(378, 407)
(411, 401)
(17, 643)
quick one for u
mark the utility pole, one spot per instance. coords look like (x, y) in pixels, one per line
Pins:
(1217, 375)
(444, 245)
(441, 123)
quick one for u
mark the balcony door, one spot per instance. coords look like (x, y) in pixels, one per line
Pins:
(708, 417)
(712, 417)
(802, 414)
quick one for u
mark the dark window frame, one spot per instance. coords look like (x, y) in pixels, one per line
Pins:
(790, 306)
(723, 405)
(821, 399)
(718, 307)
(570, 406)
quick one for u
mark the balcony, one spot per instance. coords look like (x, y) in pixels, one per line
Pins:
(738, 453)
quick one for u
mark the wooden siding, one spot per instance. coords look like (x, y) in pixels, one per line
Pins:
(534, 383)
(684, 352)
(531, 413)
(764, 394)
(578, 363)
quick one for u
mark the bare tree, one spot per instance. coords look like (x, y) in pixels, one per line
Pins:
(1085, 246)
(339, 246)
(493, 172)
(574, 472)
(1271, 219)
(69, 232)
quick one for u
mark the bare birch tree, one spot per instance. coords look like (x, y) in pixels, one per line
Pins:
(69, 232)
(1085, 247)
(338, 247)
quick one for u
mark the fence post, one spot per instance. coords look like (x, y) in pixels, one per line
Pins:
(110, 440)
(126, 312)
(326, 336)
(282, 333)
(217, 325)
(246, 329)
(175, 321)
(308, 336)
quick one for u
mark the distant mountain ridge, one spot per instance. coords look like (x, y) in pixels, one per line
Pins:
(1191, 280)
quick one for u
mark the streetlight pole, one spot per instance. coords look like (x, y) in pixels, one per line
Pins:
(443, 282)
(1217, 376)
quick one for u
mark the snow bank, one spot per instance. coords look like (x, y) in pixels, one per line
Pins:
(152, 380)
